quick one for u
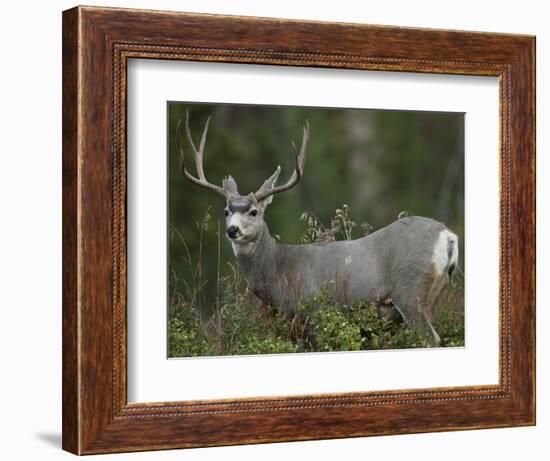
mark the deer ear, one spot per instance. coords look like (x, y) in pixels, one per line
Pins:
(230, 186)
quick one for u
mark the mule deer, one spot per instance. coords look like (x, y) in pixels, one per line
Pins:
(402, 267)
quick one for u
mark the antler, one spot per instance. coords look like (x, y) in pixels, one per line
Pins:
(201, 180)
(268, 188)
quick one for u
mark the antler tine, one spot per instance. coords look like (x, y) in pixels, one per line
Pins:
(201, 180)
(198, 153)
(300, 160)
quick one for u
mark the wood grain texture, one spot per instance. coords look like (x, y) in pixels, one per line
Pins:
(97, 43)
(70, 384)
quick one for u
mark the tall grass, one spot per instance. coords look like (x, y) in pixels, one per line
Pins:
(239, 325)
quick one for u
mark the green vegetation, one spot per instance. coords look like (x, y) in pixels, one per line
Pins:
(238, 324)
(241, 326)
(377, 161)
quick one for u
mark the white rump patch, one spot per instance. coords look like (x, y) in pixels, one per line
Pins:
(445, 251)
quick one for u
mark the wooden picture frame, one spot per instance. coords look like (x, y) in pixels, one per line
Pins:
(97, 43)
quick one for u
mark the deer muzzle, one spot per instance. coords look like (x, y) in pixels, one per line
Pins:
(232, 232)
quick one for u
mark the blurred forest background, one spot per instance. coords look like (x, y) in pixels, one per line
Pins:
(378, 162)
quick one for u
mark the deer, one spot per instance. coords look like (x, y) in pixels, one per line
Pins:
(402, 268)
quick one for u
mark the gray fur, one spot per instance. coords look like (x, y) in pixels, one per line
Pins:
(392, 266)
(403, 266)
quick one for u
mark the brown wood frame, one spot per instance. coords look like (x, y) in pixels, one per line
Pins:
(97, 43)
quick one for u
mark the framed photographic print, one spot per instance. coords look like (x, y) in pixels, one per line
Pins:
(281, 230)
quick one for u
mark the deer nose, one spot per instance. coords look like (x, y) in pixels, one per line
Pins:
(232, 231)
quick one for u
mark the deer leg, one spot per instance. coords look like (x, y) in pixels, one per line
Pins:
(310, 336)
(427, 326)
(416, 318)
(388, 312)
(436, 290)
(267, 311)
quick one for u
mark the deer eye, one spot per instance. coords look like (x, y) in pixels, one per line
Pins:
(253, 212)
(226, 212)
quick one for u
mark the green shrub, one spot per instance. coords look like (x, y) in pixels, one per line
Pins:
(185, 336)
(449, 325)
(239, 325)
(333, 331)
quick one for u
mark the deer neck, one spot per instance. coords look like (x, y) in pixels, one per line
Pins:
(260, 247)
(257, 259)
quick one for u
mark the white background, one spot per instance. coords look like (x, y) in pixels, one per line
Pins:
(153, 378)
(30, 232)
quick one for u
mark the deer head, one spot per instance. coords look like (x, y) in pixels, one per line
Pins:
(244, 214)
